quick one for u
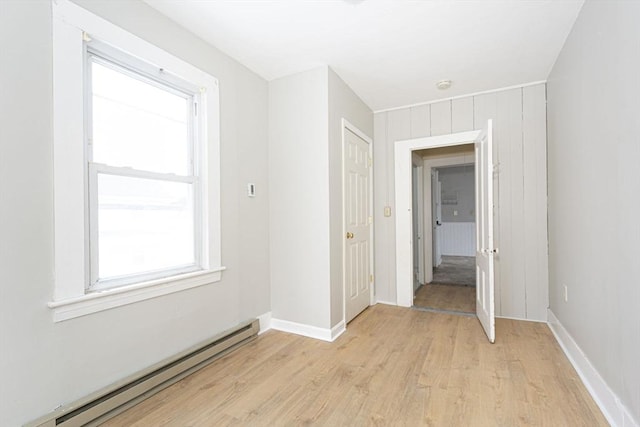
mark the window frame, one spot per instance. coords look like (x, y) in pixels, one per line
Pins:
(117, 60)
(77, 35)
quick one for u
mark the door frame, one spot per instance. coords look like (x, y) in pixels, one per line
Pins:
(418, 194)
(403, 201)
(346, 125)
(436, 212)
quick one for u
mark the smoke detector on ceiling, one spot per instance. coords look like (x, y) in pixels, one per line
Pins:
(443, 84)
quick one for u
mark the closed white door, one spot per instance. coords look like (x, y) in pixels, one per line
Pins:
(485, 252)
(357, 225)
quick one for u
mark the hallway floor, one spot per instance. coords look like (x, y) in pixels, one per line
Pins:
(446, 298)
(453, 286)
(456, 270)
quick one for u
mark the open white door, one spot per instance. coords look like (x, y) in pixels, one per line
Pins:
(485, 252)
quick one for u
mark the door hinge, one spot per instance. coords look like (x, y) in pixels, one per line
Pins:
(370, 220)
(371, 278)
(195, 108)
(370, 162)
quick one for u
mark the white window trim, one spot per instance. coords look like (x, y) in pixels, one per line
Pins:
(70, 24)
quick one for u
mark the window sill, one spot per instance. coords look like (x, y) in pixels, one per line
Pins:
(111, 298)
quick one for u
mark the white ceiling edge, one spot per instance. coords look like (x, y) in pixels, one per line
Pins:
(484, 92)
(391, 53)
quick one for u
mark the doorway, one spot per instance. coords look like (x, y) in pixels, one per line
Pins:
(485, 250)
(452, 206)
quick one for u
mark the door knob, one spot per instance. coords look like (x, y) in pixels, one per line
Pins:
(349, 235)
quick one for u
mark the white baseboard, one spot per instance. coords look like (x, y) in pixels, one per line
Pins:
(338, 330)
(265, 322)
(385, 302)
(521, 319)
(323, 334)
(613, 409)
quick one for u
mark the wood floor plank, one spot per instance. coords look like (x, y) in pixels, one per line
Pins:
(393, 366)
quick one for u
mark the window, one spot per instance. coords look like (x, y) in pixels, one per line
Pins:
(136, 168)
(142, 171)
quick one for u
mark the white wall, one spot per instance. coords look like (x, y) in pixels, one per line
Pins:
(343, 103)
(299, 198)
(458, 184)
(594, 192)
(305, 164)
(458, 210)
(45, 364)
(520, 150)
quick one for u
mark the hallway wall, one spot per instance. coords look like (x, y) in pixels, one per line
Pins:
(458, 193)
(521, 221)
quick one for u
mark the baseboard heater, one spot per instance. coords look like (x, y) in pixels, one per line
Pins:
(112, 400)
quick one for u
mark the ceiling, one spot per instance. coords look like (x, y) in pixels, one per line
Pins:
(390, 52)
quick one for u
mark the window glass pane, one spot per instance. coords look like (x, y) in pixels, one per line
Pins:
(143, 225)
(137, 124)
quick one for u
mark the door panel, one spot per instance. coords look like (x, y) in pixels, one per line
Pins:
(485, 251)
(357, 225)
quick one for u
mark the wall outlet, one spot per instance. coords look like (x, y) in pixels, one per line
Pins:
(566, 293)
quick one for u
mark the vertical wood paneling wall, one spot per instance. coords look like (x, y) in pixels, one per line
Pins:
(519, 117)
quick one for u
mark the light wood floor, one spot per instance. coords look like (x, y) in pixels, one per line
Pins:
(393, 366)
(446, 297)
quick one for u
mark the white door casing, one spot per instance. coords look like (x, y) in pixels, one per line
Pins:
(434, 217)
(418, 221)
(485, 251)
(357, 222)
(420, 215)
(484, 221)
(402, 172)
